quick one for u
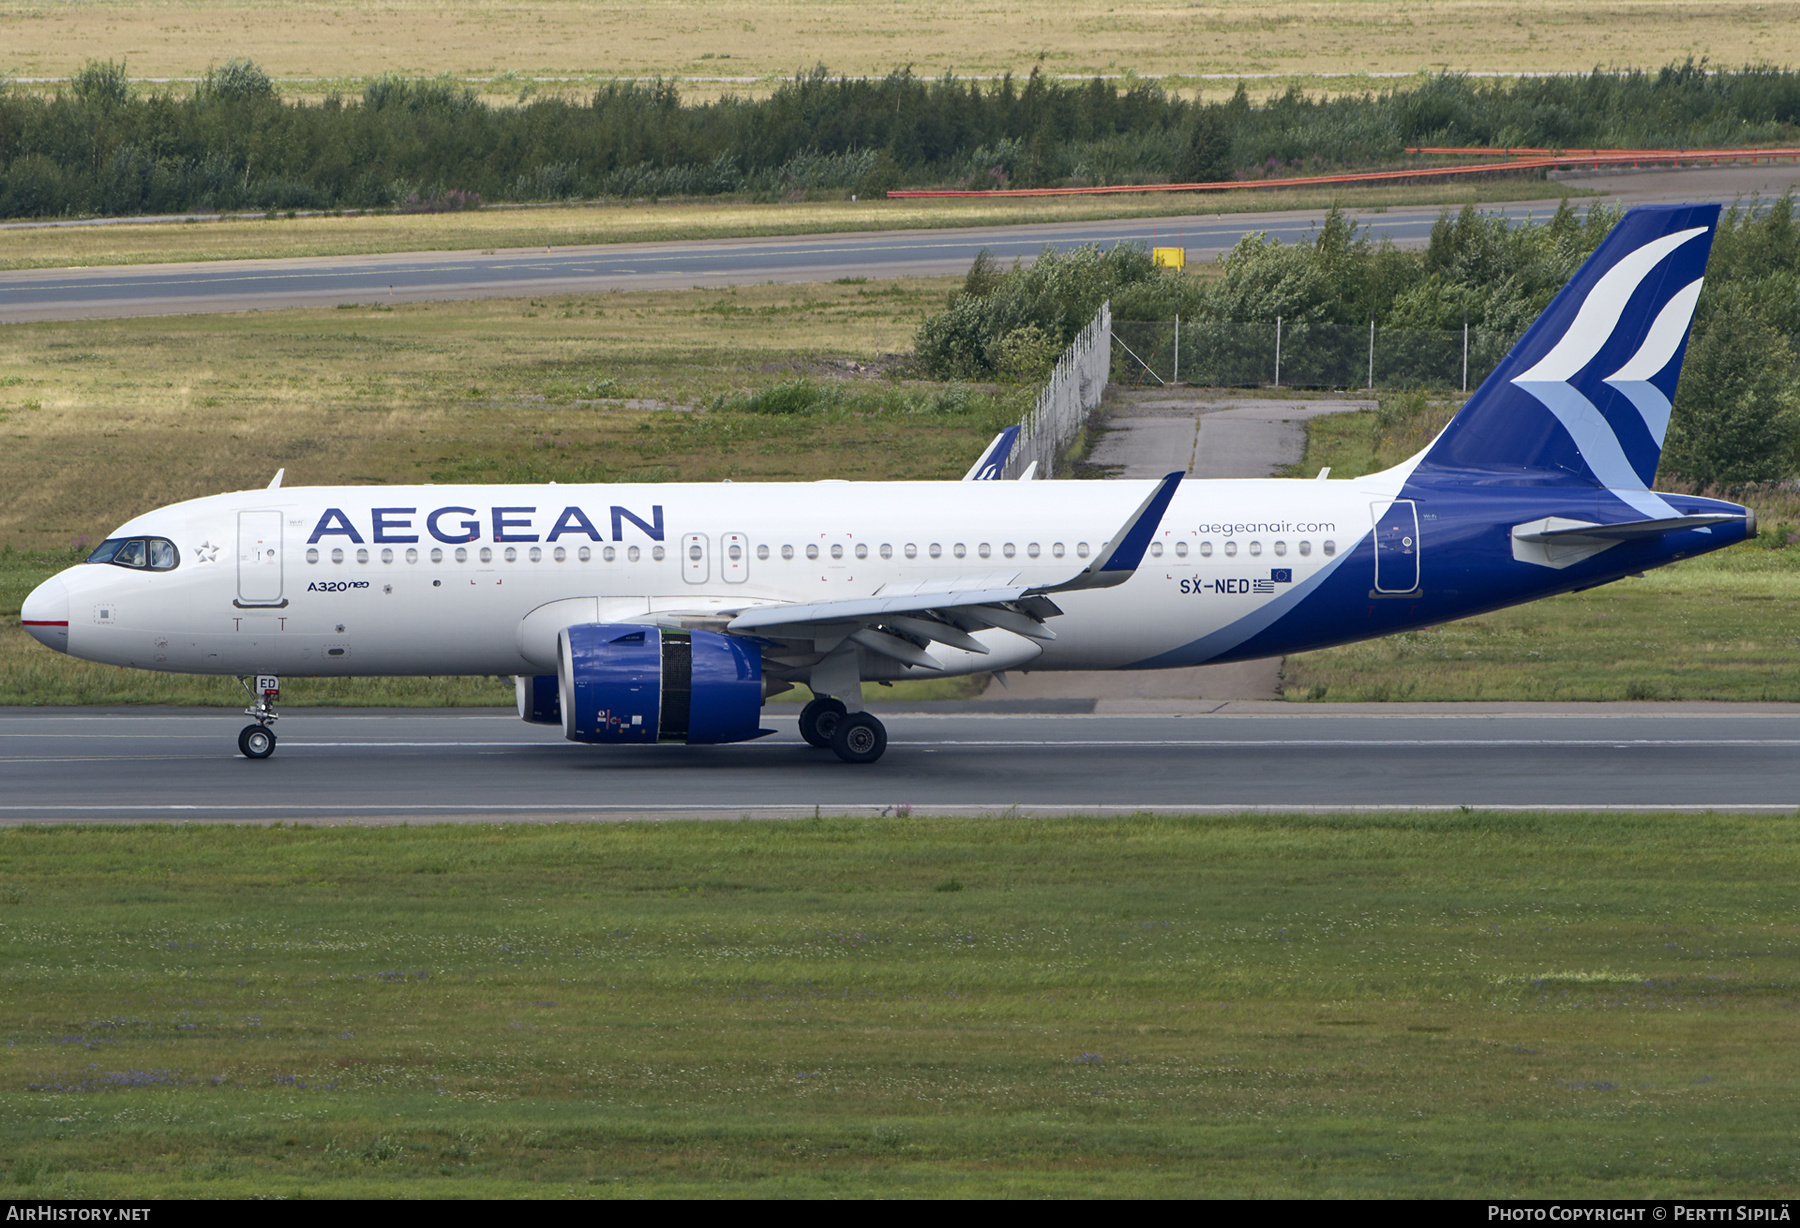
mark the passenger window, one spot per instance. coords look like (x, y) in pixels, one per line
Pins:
(887, 551)
(912, 551)
(1081, 550)
(609, 554)
(462, 555)
(656, 552)
(734, 552)
(437, 556)
(1330, 547)
(1156, 550)
(412, 554)
(1032, 550)
(1280, 549)
(1206, 550)
(535, 555)
(1255, 548)
(362, 555)
(1231, 550)
(487, 555)
(1008, 550)
(584, 554)
(984, 550)
(559, 554)
(511, 555)
(787, 552)
(1057, 550)
(312, 554)
(1305, 549)
(387, 554)
(812, 550)
(1181, 550)
(837, 551)
(631, 554)
(862, 551)
(337, 554)
(694, 552)
(936, 551)
(960, 550)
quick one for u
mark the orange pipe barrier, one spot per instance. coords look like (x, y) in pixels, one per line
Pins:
(1545, 160)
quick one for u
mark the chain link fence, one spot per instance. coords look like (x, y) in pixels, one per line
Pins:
(1283, 354)
(1076, 385)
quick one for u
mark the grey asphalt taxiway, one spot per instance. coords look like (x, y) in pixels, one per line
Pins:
(242, 285)
(335, 766)
(237, 285)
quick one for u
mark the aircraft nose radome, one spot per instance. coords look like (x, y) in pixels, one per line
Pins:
(46, 614)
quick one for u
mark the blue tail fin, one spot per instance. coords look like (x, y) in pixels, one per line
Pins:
(1584, 397)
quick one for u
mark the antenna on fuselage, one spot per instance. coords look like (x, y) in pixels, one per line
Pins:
(275, 482)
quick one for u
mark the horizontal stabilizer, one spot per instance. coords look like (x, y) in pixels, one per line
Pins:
(1555, 528)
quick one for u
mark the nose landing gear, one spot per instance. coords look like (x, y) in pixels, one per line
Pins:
(258, 741)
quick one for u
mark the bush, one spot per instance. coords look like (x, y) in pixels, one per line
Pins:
(815, 133)
(997, 319)
(1737, 416)
(1208, 156)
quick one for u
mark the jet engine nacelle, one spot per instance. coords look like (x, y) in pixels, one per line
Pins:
(540, 699)
(625, 683)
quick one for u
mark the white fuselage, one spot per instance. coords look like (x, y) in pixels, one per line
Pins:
(318, 581)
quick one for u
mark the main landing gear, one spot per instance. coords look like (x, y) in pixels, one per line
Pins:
(258, 741)
(854, 737)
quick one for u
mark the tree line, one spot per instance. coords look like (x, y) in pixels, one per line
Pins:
(100, 145)
(1736, 417)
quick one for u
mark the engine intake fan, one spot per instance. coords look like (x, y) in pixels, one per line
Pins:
(625, 683)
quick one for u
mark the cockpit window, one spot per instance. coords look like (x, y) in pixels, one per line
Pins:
(148, 553)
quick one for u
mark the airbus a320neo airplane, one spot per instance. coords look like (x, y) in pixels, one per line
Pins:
(671, 612)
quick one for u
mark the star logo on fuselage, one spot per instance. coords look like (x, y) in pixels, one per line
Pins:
(207, 552)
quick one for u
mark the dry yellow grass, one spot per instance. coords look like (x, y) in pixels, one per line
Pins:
(645, 222)
(740, 45)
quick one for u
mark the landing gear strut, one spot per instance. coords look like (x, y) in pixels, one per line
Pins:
(818, 719)
(258, 741)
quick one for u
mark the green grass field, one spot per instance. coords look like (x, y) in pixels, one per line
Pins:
(1469, 1004)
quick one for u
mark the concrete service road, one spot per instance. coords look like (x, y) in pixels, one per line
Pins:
(339, 767)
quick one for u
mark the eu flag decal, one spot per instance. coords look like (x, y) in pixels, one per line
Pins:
(1282, 575)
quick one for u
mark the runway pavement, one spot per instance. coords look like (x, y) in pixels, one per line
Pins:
(1196, 758)
(239, 285)
(235, 285)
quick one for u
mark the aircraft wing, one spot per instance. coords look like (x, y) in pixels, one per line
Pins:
(946, 611)
(987, 468)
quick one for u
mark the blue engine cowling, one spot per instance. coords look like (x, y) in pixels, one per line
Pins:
(623, 683)
(540, 699)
